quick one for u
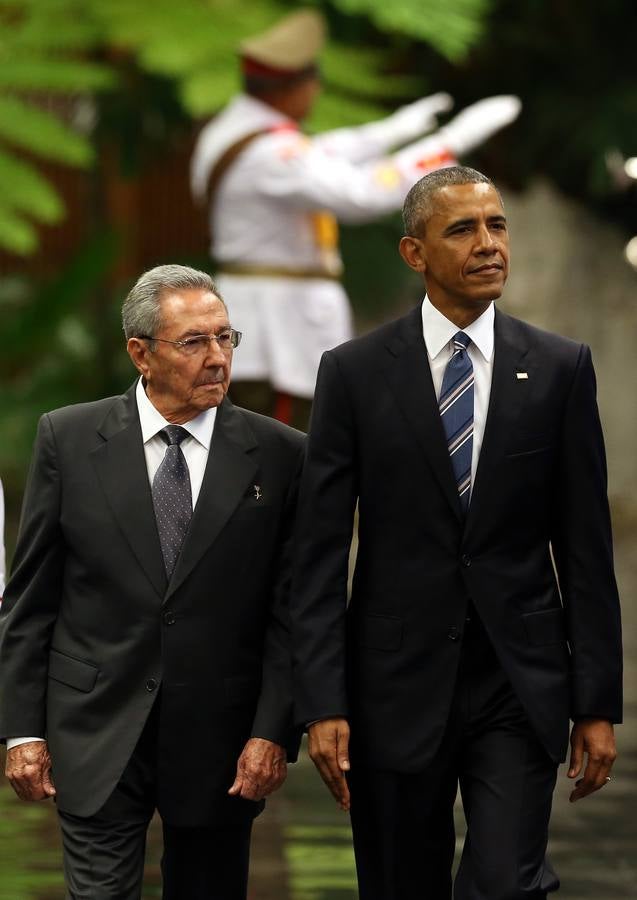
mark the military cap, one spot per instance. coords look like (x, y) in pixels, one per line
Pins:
(291, 45)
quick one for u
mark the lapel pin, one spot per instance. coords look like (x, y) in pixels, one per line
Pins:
(522, 376)
(257, 491)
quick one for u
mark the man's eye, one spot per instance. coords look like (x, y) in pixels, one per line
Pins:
(195, 344)
(224, 339)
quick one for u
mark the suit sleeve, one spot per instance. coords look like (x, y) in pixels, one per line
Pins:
(583, 552)
(32, 596)
(274, 719)
(324, 533)
(2, 555)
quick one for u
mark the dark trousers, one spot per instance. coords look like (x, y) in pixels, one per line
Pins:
(404, 837)
(104, 854)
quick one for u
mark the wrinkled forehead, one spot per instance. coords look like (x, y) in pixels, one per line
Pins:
(192, 310)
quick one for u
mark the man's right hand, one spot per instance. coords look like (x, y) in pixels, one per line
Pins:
(329, 751)
(28, 769)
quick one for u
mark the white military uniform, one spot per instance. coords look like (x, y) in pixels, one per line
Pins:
(271, 235)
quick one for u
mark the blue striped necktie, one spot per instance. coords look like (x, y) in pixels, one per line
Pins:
(456, 411)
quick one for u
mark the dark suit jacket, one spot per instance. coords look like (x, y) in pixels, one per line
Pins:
(90, 630)
(376, 437)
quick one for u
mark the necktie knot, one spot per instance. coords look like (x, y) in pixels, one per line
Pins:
(461, 341)
(173, 434)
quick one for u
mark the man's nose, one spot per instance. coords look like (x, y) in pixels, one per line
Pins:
(486, 241)
(214, 355)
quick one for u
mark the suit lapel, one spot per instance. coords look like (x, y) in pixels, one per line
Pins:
(120, 464)
(230, 470)
(408, 373)
(506, 401)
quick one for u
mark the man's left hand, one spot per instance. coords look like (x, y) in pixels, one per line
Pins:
(596, 738)
(261, 769)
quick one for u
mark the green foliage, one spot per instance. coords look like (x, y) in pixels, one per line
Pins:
(38, 131)
(452, 28)
(198, 46)
(47, 46)
(52, 337)
(41, 47)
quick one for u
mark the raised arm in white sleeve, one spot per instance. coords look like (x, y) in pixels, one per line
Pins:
(296, 171)
(367, 142)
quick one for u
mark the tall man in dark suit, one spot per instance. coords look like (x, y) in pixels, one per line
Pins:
(143, 631)
(484, 609)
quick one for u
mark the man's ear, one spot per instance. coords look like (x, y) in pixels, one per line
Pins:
(413, 252)
(138, 352)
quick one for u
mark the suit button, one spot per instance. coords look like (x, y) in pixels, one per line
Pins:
(151, 685)
(465, 560)
(169, 618)
(454, 633)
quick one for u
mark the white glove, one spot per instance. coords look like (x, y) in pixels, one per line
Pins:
(419, 117)
(477, 122)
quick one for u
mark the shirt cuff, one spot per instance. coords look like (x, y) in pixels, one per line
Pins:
(15, 742)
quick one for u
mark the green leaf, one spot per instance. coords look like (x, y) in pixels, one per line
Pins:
(16, 235)
(205, 92)
(42, 133)
(361, 71)
(24, 189)
(48, 27)
(55, 75)
(451, 26)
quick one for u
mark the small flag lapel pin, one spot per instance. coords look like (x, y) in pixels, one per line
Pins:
(522, 376)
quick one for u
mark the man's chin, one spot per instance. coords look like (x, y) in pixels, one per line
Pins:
(209, 395)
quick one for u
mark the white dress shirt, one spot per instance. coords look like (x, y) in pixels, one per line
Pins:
(439, 332)
(195, 449)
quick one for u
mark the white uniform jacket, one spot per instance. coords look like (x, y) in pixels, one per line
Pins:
(268, 219)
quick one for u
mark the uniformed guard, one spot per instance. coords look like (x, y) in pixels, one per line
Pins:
(275, 196)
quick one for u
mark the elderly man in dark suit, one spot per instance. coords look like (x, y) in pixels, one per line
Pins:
(143, 635)
(484, 610)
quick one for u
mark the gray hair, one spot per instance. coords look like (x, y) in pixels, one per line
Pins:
(418, 206)
(141, 310)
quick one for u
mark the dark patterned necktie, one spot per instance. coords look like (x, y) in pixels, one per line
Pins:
(172, 497)
(456, 411)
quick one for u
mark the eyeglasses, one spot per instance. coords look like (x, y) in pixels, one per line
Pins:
(200, 343)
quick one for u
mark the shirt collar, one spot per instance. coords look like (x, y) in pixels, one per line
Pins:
(438, 330)
(152, 421)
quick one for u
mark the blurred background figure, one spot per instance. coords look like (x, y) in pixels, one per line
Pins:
(275, 196)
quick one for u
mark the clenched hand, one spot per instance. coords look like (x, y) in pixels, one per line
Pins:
(28, 769)
(261, 769)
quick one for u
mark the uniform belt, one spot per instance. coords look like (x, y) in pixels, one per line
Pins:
(257, 271)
